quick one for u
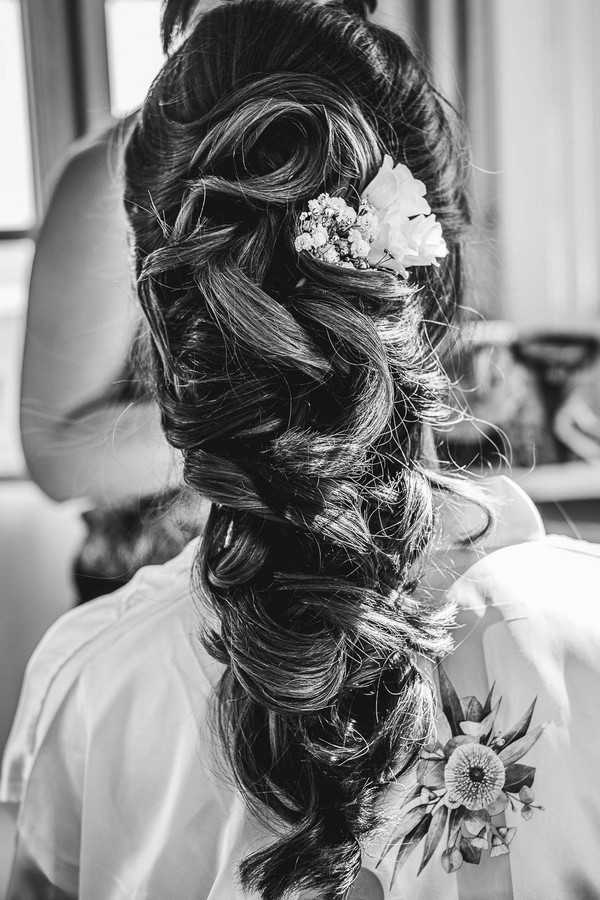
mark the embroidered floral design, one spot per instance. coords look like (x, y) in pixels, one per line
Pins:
(474, 776)
(467, 788)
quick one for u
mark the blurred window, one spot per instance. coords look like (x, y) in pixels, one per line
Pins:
(17, 210)
(53, 65)
(17, 219)
(134, 50)
(15, 262)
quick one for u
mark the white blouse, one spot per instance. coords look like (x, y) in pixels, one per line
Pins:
(122, 793)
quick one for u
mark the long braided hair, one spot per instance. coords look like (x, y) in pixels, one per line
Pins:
(298, 393)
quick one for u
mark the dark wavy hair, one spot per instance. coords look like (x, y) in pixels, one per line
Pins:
(298, 393)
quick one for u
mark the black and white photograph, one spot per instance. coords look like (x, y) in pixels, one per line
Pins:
(299, 450)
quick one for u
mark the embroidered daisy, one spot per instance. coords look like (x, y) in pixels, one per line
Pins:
(474, 776)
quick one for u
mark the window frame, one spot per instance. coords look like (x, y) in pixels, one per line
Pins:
(68, 96)
(67, 81)
(67, 84)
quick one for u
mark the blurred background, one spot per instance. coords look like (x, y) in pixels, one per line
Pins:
(526, 77)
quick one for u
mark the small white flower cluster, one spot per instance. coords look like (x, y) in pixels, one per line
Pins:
(334, 232)
(394, 227)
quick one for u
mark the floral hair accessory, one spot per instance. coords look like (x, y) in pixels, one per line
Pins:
(468, 789)
(393, 228)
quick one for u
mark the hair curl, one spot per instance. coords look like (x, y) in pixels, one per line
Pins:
(298, 393)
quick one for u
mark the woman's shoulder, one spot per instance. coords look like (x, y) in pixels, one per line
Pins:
(521, 573)
(525, 671)
(111, 644)
(552, 578)
(508, 554)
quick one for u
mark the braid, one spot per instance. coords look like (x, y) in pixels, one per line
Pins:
(298, 393)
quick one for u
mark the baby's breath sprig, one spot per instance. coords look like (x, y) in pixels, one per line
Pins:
(335, 233)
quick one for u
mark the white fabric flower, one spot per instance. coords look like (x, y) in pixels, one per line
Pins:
(395, 190)
(381, 248)
(368, 221)
(426, 244)
(410, 242)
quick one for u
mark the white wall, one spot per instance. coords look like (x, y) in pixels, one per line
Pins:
(547, 100)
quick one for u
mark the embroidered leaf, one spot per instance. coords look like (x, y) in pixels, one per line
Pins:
(432, 751)
(520, 729)
(412, 794)
(518, 776)
(519, 748)
(405, 826)
(483, 727)
(476, 821)
(430, 772)
(411, 817)
(454, 823)
(487, 706)
(451, 705)
(470, 853)
(434, 835)
(498, 805)
(472, 709)
(409, 843)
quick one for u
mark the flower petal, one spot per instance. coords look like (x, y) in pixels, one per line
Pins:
(381, 191)
(475, 775)
(526, 795)
(507, 834)
(498, 805)
(451, 859)
(417, 242)
(480, 842)
(452, 801)
(475, 822)
(470, 853)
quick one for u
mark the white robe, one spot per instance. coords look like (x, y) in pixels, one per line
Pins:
(121, 793)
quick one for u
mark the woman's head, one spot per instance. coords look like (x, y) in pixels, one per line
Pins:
(298, 393)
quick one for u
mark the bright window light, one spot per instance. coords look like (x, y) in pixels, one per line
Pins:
(134, 50)
(17, 205)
